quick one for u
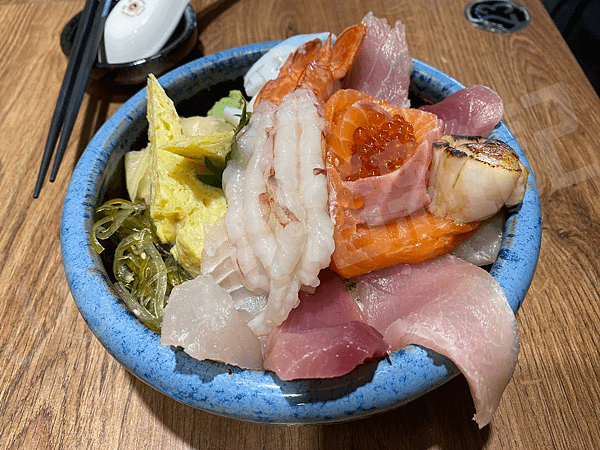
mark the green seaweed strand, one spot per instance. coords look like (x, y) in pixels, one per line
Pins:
(144, 270)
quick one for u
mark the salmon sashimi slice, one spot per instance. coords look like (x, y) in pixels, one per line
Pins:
(343, 116)
(382, 220)
(415, 238)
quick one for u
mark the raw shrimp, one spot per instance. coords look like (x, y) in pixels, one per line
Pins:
(277, 223)
(293, 216)
(228, 255)
(315, 66)
(268, 66)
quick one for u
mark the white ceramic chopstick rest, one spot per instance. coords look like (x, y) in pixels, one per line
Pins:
(137, 29)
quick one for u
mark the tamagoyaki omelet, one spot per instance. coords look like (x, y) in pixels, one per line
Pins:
(180, 204)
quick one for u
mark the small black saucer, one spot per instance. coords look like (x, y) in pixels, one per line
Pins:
(183, 40)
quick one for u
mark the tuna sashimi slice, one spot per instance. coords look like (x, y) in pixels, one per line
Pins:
(326, 336)
(201, 317)
(455, 309)
(472, 111)
(383, 65)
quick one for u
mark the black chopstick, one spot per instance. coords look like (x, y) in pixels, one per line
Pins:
(81, 60)
(85, 22)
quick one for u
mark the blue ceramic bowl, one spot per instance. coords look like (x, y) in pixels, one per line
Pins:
(226, 390)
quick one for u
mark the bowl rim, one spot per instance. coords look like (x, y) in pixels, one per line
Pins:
(252, 395)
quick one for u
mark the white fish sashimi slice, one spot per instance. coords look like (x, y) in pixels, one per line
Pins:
(483, 246)
(454, 308)
(202, 319)
(221, 261)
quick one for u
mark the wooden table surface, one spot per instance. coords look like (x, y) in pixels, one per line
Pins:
(59, 388)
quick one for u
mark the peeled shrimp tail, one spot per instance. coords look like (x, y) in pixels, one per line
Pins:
(345, 49)
(317, 76)
(315, 67)
(289, 74)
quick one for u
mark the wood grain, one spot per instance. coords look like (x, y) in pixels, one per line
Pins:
(59, 388)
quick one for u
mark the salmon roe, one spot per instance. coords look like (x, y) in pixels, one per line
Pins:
(372, 155)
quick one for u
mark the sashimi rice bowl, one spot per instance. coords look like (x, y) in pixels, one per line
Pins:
(306, 231)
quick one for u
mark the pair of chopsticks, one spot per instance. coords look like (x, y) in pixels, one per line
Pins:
(81, 60)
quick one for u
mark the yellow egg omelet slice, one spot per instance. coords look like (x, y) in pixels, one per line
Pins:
(206, 137)
(180, 204)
